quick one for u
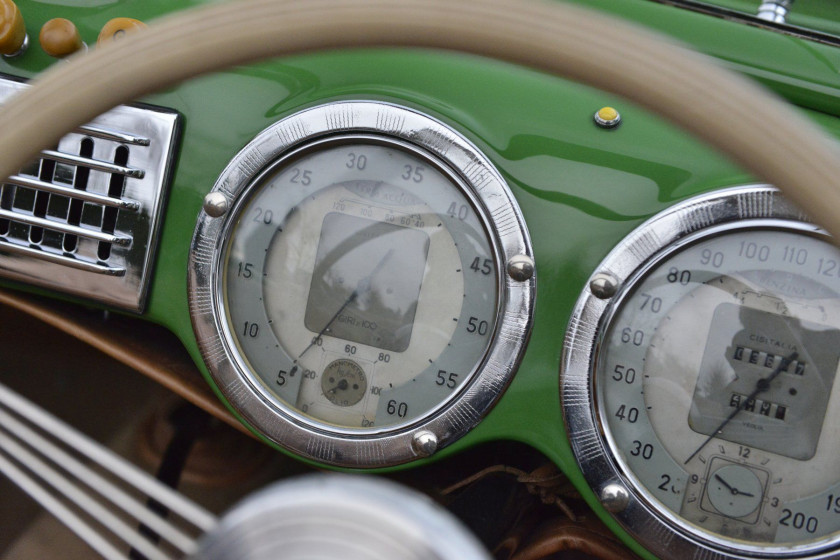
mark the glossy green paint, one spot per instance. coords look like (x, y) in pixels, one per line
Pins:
(805, 72)
(581, 189)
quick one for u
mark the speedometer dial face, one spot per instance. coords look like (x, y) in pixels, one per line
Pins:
(350, 294)
(713, 383)
(373, 289)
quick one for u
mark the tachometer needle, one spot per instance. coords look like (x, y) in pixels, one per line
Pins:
(362, 287)
(760, 386)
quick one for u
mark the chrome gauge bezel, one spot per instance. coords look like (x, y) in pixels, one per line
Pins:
(237, 354)
(480, 183)
(649, 522)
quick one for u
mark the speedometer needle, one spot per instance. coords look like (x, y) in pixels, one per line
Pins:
(760, 386)
(362, 287)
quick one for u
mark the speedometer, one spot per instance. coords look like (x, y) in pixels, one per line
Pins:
(362, 284)
(707, 348)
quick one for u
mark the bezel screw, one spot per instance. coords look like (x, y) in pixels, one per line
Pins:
(521, 268)
(215, 204)
(603, 285)
(424, 443)
(615, 498)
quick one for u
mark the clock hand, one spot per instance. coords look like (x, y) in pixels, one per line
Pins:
(734, 491)
(761, 385)
(728, 487)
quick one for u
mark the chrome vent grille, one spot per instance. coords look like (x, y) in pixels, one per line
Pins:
(84, 218)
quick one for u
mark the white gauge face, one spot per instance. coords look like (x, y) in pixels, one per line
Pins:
(716, 387)
(360, 283)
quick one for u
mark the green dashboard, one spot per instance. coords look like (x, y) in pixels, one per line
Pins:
(580, 190)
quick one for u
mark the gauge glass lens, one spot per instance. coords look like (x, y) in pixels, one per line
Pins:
(716, 386)
(360, 284)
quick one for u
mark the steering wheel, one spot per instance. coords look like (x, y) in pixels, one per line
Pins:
(759, 132)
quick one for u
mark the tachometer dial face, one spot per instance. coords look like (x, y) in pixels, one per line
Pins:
(714, 386)
(361, 284)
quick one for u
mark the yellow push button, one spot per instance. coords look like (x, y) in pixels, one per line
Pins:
(608, 113)
(59, 37)
(117, 28)
(607, 117)
(12, 29)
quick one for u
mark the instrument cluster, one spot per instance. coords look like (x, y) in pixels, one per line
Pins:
(363, 288)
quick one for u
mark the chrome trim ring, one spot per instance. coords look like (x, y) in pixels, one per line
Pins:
(365, 518)
(106, 252)
(659, 530)
(505, 226)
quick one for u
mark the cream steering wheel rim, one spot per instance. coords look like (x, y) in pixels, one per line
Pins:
(756, 130)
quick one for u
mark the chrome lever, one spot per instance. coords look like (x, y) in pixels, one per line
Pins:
(774, 10)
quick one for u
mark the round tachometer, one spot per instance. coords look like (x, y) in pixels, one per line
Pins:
(351, 295)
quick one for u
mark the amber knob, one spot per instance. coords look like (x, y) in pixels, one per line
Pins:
(12, 29)
(59, 38)
(118, 27)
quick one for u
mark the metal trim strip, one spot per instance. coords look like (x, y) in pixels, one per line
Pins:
(93, 164)
(87, 196)
(64, 228)
(63, 260)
